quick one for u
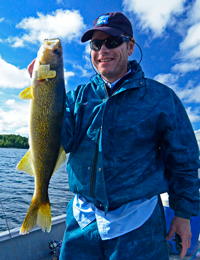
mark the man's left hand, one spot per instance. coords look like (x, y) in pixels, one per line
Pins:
(181, 226)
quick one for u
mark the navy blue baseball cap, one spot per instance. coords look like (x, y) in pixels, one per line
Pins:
(114, 24)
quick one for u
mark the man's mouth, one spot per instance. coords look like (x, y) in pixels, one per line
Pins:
(105, 60)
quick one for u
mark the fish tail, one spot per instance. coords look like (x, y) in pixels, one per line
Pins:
(39, 214)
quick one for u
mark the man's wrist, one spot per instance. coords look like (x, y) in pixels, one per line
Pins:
(182, 215)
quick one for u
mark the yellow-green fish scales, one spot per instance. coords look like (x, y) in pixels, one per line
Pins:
(47, 94)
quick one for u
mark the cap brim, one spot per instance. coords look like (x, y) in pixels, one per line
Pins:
(112, 31)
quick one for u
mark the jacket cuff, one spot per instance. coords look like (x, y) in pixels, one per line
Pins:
(182, 215)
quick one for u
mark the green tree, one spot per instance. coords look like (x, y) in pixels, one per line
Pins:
(13, 141)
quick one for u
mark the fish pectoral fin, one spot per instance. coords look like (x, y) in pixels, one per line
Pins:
(61, 159)
(39, 214)
(44, 72)
(26, 165)
(27, 93)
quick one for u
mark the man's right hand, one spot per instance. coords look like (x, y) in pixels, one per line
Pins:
(30, 67)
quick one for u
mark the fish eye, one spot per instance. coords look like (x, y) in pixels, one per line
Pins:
(57, 51)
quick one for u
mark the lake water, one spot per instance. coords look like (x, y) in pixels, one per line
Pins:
(16, 189)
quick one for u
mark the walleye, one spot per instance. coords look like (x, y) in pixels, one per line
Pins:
(47, 94)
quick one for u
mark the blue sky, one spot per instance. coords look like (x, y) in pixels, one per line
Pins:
(167, 31)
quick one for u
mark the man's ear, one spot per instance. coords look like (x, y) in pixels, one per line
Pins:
(131, 45)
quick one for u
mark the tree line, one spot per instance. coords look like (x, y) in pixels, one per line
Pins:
(13, 141)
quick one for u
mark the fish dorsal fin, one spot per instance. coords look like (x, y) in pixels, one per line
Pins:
(61, 159)
(27, 93)
(44, 72)
(26, 165)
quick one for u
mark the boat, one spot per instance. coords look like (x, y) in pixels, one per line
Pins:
(38, 245)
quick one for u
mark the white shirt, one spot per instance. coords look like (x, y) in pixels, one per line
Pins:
(116, 222)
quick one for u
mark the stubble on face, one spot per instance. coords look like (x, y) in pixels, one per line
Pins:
(111, 63)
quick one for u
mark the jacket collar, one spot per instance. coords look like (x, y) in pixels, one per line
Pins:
(137, 78)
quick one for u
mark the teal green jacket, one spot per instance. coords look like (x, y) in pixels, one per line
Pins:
(134, 144)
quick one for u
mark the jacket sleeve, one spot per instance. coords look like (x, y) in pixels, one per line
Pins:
(67, 133)
(181, 157)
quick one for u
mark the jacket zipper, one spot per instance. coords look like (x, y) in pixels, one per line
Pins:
(112, 93)
(96, 154)
(106, 91)
(94, 165)
(97, 150)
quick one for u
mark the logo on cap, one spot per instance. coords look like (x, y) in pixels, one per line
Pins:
(103, 19)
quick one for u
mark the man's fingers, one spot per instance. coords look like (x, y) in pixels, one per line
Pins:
(183, 253)
(185, 243)
(30, 67)
(170, 234)
(185, 246)
(181, 227)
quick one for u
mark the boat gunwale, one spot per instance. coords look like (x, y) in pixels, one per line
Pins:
(5, 235)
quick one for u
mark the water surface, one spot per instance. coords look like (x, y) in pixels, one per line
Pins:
(16, 189)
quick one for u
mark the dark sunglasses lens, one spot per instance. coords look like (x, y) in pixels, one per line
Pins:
(113, 42)
(95, 45)
(110, 43)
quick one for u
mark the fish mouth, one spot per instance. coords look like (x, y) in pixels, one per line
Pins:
(51, 43)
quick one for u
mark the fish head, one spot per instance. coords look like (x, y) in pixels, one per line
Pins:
(50, 52)
(49, 59)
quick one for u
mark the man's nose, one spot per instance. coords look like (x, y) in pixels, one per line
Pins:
(104, 48)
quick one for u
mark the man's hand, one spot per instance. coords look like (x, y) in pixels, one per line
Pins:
(30, 67)
(181, 226)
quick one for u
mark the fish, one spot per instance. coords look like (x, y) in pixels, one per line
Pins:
(45, 154)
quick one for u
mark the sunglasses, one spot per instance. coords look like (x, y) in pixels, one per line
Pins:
(110, 43)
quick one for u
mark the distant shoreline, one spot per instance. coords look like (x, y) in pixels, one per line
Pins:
(13, 141)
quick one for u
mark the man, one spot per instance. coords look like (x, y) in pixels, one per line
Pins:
(129, 140)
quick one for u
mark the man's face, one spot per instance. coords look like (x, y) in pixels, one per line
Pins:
(111, 63)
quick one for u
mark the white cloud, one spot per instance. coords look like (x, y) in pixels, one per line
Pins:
(13, 77)
(197, 133)
(63, 24)
(189, 94)
(154, 15)
(167, 79)
(192, 38)
(15, 118)
(1, 20)
(68, 74)
(87, 49)
(193, 114)
(22, 131)
(185, 67)
(189, 48)
(10, 102)
(157, 15)
(87, 57)
(84, 72)
(60, 2)
(193, 13)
